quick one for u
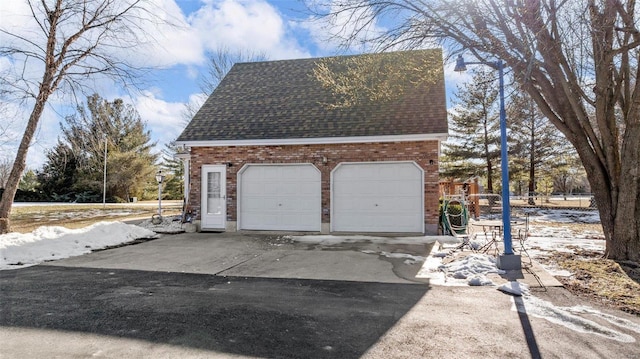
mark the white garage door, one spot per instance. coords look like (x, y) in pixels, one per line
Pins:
(377, 197)
(279, 197)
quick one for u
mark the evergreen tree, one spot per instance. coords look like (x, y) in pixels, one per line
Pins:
(29, 182)
(58, 174)
(474, 144)
(77, 162)
(533, 141)
(174, 169)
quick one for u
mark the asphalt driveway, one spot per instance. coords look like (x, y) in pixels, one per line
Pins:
(207, 295)
(255, 317)
(210, 294)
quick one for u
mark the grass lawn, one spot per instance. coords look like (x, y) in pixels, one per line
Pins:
(27, 217)
(605, 281)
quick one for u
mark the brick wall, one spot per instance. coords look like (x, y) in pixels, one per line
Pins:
(424, 153)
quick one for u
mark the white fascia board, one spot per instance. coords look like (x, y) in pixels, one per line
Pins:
(315, 141)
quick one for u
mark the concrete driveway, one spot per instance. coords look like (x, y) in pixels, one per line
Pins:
(207, 295)
(263, 255)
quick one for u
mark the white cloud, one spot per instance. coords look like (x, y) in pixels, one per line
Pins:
(245, 24)
(164, 119)
(16, 17)
(155, 34)
(175, 40)
(196, 100)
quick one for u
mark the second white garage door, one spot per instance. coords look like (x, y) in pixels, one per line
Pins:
(377, 197)
(279, 197)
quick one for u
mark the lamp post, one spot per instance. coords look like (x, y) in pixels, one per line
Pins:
(159, 178)
(508, 260)
(104, 172)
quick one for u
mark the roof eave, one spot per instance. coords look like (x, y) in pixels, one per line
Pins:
(315, 141)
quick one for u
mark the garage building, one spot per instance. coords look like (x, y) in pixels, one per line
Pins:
(274, 149)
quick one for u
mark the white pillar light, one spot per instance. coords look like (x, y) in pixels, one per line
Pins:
(159, 178)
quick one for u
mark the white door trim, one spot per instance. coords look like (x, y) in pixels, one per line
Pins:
(332, 194)
(221, 219)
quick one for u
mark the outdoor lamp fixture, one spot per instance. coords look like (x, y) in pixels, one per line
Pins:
(104, 175)
(159, 178)
(508, 260)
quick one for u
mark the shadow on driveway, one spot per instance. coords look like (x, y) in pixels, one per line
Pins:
(266, 317)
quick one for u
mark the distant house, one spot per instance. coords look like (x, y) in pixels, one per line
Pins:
(266, 152)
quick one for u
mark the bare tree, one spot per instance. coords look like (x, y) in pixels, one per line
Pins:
(218, 64)
(578, 60)
(221, 61)
(71, 42)
(354, 79)
(5, 170)
(6, 133)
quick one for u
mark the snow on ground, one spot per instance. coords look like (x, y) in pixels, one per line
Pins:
(408, 258)
(169, 225)
(47, 243)
(444, 267)
(329, 240)
(575, 318)
(548, 215)
(542, 241)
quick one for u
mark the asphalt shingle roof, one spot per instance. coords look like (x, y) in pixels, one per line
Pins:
(284, 100)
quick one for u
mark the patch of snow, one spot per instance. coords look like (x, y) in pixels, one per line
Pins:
(329, 240)
(540, 308)
(556, 271)
(564, 216)
(515, 288)
(410, 259)
(472, 264)
(52, 242)
(620, 322)
(479, 280)
(169, 225)
(469, 270)
(566, 244)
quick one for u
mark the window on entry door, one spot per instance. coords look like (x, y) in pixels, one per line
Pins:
(214, 202)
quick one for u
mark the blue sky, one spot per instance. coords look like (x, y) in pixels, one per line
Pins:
(278, 28)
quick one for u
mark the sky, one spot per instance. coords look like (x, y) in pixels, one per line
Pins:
(278, 28)
(463, 269)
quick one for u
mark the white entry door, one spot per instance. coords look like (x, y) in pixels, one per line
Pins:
(214, 197)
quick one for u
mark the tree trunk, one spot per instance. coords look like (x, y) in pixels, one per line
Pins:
(619, 216)
(624, 242)
(530, 199)
(489, 176)
(20, 162)
(532, 167)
